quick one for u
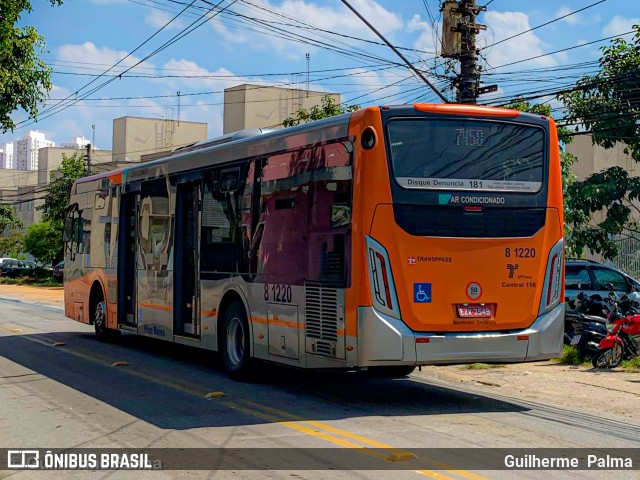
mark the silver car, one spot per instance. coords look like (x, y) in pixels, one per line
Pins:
(593, 278)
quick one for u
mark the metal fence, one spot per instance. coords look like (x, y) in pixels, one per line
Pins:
(628, 260)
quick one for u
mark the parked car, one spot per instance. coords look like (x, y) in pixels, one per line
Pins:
(58, 271)
(2, 260)
(594, 280)
(16, 268)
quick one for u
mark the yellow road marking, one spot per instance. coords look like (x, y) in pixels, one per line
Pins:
(365, 440)
(276, 415)
(395, 455)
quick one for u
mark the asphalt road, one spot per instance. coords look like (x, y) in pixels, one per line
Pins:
(61, 388)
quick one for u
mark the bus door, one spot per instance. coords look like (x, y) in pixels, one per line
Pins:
(187, 259)
(127, 250)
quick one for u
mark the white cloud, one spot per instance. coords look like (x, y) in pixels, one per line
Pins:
(571, 19)
(576, 18)
(88, 52)
(159, 18)
(427, 41)
(507, 24)
(335, 18)
(619, 25)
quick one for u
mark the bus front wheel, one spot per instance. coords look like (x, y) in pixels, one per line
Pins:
(99, 317)
(235, 341)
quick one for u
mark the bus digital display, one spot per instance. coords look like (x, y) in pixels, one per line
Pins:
(467, 155)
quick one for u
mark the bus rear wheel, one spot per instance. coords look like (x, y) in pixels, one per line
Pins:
(235, 341)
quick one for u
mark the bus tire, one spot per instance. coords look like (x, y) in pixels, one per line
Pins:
(390, 372)
(98, 310)
(236, 355)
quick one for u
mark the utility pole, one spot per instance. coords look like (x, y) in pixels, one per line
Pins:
(88, 157)
(459, 42)
(468, 78)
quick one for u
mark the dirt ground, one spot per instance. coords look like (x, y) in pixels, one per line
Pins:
(46, 295)
(614, 392)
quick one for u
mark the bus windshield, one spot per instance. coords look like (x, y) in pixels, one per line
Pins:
(456, 154)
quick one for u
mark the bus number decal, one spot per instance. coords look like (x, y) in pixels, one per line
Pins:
(279, 293)
(521, 252)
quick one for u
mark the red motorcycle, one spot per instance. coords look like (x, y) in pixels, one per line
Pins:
(622, 340)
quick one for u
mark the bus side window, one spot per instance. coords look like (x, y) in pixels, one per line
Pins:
(223, 237)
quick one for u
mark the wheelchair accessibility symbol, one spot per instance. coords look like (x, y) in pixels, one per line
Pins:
(422, 293)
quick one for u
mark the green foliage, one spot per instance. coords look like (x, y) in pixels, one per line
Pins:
(43, 280)
(25, 80)
(329, 108)
(9, 218)
(569, 356)
(56, 199)
(12, 245)
(568, 177)
(481, 366)
(44, 241)
(632, 365)
(607, 105)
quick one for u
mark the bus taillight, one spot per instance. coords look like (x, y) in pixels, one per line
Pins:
(383, 290)
(552, 285)
(385, 280)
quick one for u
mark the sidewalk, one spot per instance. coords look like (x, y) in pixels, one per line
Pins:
(51, 296)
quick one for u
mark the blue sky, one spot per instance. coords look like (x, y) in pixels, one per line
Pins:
(87, 37)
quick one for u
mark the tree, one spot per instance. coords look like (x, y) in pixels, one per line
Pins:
(12, 245)
(43, 241)
(328, 108)
(25, 80)
(607, 105)
(8, 218)
(56, 199)
(568, 177)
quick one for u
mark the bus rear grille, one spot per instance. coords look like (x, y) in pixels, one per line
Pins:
(321, 319)
(324, 348)
(444, 221)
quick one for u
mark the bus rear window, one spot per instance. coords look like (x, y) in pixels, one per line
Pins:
(467, 155)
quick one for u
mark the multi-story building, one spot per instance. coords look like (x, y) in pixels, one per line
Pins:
(26, 150)
(134, 137)
(592, 159)
(77, 142)
(257, 106)
(6, 156)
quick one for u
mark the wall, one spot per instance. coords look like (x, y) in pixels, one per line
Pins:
(136, 136)
(255, 106)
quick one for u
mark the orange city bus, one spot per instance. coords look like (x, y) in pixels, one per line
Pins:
(393, 236)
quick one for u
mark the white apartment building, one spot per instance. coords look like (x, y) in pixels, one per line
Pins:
(26, 150)
(6, 156)
(76, 143)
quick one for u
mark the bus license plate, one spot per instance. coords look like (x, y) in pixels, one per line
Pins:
(474, 311)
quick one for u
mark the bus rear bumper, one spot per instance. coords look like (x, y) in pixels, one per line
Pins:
(384, 340)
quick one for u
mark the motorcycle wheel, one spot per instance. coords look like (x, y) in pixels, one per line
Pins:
(616, 356)
(601, 360)
(608, 358)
